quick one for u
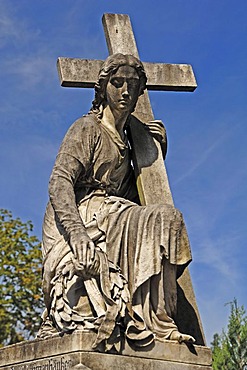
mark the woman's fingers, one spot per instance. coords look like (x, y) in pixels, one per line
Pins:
(84, 251)
(90, 253)
(156, 122)
(94, 269)
(86, 259)
(156, 128)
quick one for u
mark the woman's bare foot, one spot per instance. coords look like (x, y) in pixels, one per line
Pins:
(180, 337)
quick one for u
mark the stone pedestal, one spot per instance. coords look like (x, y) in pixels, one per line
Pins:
(73, 352)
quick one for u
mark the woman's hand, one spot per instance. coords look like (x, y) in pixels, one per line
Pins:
(157, 130)
(86, 260)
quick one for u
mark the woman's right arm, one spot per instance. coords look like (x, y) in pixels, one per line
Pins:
(72, 160)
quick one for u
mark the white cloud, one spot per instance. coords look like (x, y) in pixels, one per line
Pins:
(219, 253)
(30, 70)
(205, 154)
(12, 28)
(8, 29)
(20, 43)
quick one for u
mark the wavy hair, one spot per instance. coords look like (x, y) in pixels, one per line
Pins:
(109, 67)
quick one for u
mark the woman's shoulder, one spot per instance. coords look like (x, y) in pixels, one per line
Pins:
(86, 125)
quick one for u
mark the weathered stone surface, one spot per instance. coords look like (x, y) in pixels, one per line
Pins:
(84, 171)
(115, 297)
(73, 352)
(151, 173)
(75, 72)
(170, 77)
(152, 180)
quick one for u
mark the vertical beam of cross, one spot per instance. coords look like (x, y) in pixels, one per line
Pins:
(152, 181)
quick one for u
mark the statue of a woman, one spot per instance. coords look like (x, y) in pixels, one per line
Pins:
(110, 264)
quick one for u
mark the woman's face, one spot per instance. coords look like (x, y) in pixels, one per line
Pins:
(122, 89)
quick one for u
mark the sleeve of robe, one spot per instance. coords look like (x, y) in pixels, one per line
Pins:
(73, 160)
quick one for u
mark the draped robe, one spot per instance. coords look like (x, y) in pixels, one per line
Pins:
(141, 248)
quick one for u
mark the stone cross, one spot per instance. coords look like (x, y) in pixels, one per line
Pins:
(151, 174)
(152, 181)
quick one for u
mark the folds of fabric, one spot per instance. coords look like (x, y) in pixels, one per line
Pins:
(140, 248)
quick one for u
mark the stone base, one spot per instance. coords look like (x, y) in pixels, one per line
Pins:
(73, 352)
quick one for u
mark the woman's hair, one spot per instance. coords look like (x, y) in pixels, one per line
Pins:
(109, 67)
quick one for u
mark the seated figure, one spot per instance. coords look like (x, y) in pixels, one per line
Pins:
(110, 264)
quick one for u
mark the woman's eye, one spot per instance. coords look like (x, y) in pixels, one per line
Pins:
(133, 83)
(117, 82)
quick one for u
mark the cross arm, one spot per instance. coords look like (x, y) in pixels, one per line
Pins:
(75, 72)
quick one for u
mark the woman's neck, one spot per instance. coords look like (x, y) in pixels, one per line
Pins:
(115, 121)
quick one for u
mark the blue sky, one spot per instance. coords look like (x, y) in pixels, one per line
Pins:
(207, 129)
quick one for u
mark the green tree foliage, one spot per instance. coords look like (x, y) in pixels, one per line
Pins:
(20, 280)
(230, 348)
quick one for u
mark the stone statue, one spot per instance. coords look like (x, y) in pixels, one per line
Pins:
(110, 264)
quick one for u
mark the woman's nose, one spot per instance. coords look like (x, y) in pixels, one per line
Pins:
(125, 91)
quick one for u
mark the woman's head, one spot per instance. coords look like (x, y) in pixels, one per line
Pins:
(110, 66)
